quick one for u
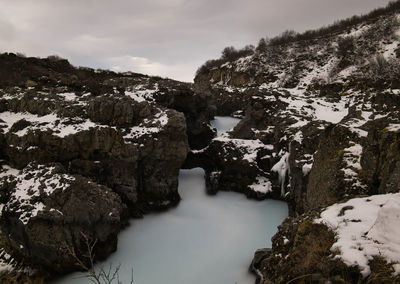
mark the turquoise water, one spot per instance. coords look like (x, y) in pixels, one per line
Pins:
(224, 123)
(204, 240)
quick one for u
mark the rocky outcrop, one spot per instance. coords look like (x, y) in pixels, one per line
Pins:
(380, 159)
(198, 109)
(47, 214)
(113, 134)
(323, 113)
(326, 181)
(301, 248)
(110, 149)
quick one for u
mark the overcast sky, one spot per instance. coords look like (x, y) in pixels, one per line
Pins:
(169, 38)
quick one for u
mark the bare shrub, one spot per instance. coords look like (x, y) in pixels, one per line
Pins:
(54, 57)
(262, 44)
(285, 37)
(336, 27)
(86, 262)
(228, 54)
(381, 69)
(345, 46)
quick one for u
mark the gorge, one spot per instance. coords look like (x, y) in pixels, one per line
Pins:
(82, 151)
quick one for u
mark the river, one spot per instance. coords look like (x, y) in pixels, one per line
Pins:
(204, 240)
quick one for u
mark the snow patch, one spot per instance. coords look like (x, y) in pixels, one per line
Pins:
(141, 93)
(147, 127)
(68, 96)
(31, 184)
(262, 185)
(366, 227)
(60, 127)
(393, 127)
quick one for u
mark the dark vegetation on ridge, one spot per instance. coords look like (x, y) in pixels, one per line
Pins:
(230, 53)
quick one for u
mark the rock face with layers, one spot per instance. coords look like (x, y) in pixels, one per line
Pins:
(324, 114)
(120, 139)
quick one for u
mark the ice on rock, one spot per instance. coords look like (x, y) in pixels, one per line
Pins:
(282, 168)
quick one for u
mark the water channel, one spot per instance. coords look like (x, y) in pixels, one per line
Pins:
(204, 240)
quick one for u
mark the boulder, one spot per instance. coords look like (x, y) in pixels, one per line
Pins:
(47, 214)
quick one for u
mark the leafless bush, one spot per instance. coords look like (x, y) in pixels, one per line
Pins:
(55, 57)
(228, 54)
(381, 69)
(336, 27)
(345, 46)
(378, 63)
(86, 262)
(285, 37)
(262, 44)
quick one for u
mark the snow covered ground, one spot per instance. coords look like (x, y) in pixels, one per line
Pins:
(364, 228)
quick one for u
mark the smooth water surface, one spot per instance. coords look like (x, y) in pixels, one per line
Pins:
(224, 123)
(205, 240)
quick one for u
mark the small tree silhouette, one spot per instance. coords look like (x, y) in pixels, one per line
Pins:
(101, 275)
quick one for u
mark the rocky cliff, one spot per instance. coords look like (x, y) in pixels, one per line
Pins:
(321, 127)
(81, 150)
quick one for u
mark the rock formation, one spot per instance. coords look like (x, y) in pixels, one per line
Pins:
(81, 150)
(321, 127)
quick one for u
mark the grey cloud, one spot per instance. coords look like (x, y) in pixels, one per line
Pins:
(172, 37)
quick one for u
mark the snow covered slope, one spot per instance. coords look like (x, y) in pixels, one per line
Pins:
(327, 108)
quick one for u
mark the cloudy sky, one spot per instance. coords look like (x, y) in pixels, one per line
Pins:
(170, 38)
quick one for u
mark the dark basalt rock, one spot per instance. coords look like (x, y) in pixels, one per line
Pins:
(326, 180)
(198, 109)
(124, 152)
(255, 266)
(381, 159)
(72, 208)
(302, 249)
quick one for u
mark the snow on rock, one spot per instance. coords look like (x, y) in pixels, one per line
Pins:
(6, 171)
(141, 93)
(262, 185)
(390, 49)
(305, 107)
(352, 160)
(5, 262)
(248, 147)
(298, 137)
(282, 168)
(70, 97)
(60, 127)
(393, 127)
(330, 112)
(358, 31)
(147, 127)
(31, 185)
(9, 264)
(364, 228)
